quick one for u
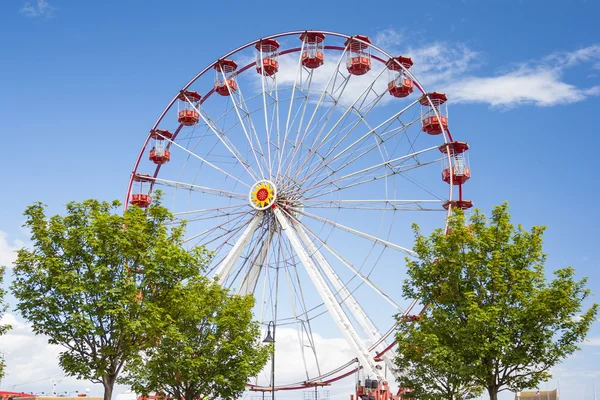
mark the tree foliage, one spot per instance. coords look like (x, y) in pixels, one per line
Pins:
(494, 321)
(97, 282)
(3, 328)
(209, 351)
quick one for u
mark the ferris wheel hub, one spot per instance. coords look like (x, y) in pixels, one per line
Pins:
(263, 195)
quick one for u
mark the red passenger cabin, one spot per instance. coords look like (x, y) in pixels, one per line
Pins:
(358, 60)
(399, 84)
(312, 53)
(141, 197)
(225, 83)
(431, 124)
(160, 153)
(455, 163)
(266, 57)
(187, 114)
(462, 204)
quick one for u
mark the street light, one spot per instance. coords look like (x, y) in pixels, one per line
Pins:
(271, 339)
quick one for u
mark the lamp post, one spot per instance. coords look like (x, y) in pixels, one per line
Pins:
(271, 339)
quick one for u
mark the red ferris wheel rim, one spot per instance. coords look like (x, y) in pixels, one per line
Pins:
(339, 374)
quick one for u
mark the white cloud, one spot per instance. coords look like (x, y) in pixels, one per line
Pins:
(8, 249)
(355, 87)
(539, 83)
(32, 363)
(538, 87)
(570, 59)
(592, 341)
(321, 77)
(593, 91)
(439, 63)
(574, 373)
(435, 64)
(41, 8)
(388, 38)
(448, 67)
(332, 353)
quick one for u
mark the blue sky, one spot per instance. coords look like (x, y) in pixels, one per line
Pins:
(82, 82)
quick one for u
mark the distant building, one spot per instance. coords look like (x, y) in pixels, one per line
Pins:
(128, 395)
(4, 395)
(28, 396)
(538, 395)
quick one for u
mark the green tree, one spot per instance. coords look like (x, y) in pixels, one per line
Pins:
(493, 321)
(3, 328)
(97, 282)
(209, 351)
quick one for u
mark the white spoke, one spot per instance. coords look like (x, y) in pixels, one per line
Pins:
(357, 272)
(376, 178)
(318, 143)
(306, 325)
(205, 210)
(379, 141)
(217, 214)
(250, 279)
(277, 121)
(299, 326)
(317, 107)
(372, 131)
(395, 326)
(237, 111)
(215, 228)
(341, 319)
(347, 298)
(251, 256)
(263, 76)
(230, 235)
(382, 205)
(223, 139)
(368, 179)
(201, 189)
(225, 267)
(287, 122)
(359, 233)
(203, 160)
(388, 163)
(330, 160)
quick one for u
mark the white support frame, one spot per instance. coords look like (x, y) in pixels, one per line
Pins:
(347, 298)
(226, 266)
(250, 278)
(359, 233)
(337, 313)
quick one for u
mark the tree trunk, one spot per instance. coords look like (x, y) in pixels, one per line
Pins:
(190, 394)
(493, 392)
(109, 382)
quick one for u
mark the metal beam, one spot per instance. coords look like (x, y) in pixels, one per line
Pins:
(251, 276)
(337, 313)
(357, 311)
(224, 269)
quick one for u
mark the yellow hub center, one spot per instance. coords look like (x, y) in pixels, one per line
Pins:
(263, 194)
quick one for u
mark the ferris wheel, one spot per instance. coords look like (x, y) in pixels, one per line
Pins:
(302, 159)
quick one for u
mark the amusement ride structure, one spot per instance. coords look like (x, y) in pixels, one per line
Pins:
(302, 159)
